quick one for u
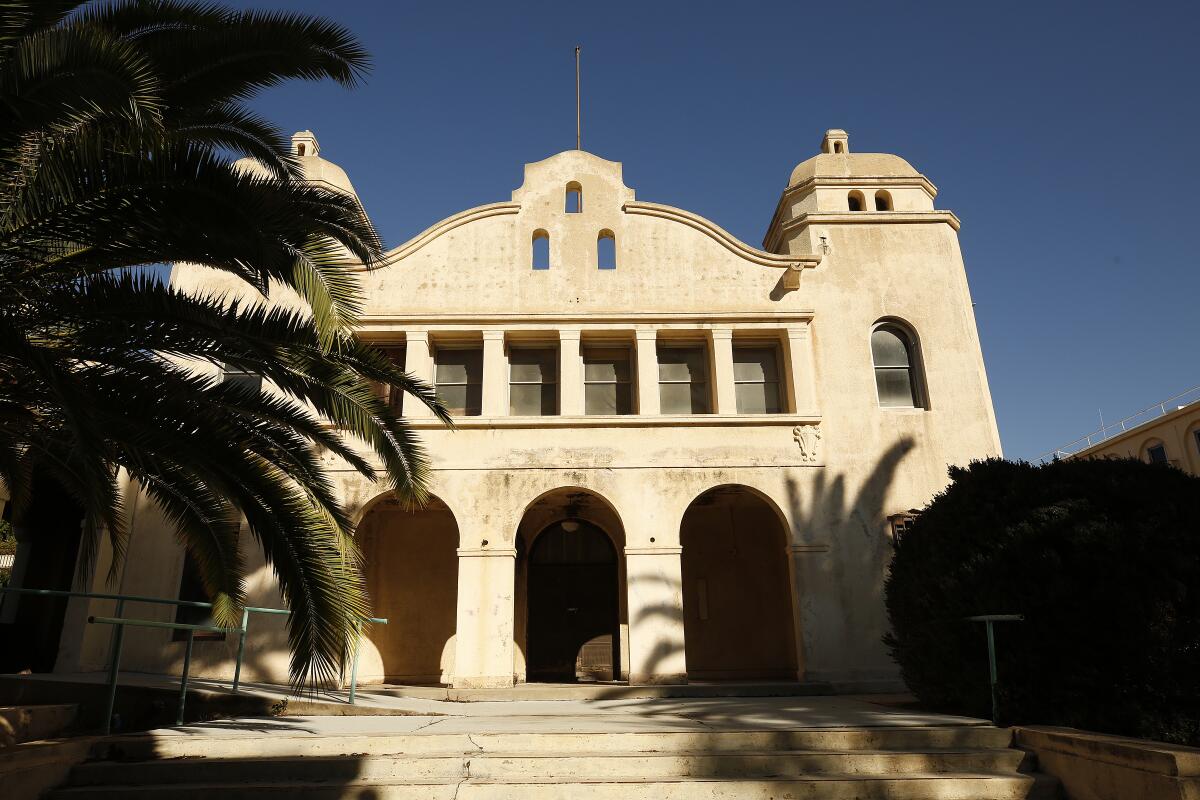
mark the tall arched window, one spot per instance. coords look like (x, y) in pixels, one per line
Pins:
(883, 201)
(606, 250)
(574, 198)
(897, 367)
(541, 250)
(855, 201)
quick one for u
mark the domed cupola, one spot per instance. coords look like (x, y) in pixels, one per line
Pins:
(837, 182)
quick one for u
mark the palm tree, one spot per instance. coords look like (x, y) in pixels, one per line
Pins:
(117, 125)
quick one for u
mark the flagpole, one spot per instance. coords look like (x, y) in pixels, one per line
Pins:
(578, 117)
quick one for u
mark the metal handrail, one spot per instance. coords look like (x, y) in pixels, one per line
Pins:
(989, 619)
(1102, 433)
(119, 623)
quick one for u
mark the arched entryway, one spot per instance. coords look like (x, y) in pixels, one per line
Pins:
(411, 563)
(737, 596)
(570, 598)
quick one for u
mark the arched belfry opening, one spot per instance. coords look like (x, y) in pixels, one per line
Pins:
(410, 561)
(738, 604)
(571, 616)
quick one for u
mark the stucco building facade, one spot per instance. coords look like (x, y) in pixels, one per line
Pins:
(676, 454)
(1171, 436)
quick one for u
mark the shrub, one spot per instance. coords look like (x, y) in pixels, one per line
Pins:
(1103, 559)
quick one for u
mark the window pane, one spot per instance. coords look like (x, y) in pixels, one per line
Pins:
(895, 388)
(675, 398)
(606, 364)
(757, 398)
(754, 364)
(888, 349)
(1158, 454)
(395, 400)
(459, 366)
(456, 397)
(683, 398)
(607, 398)
(533, 365)
(532, 400)
(682, 364)
(600, 398)
(244, 379)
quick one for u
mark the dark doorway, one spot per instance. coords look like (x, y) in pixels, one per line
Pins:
(573, 604)
(53, 523)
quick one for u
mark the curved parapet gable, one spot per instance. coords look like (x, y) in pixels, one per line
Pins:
(484, 259)
(448, 224)
(719, 234)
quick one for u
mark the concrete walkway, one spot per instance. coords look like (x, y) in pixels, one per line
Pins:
(603, 716)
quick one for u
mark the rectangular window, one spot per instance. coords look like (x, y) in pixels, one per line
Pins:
(607, 385)
(683, 380)
(389, 394)
(458, 376)
(191, 588)
(1157, 454)
(533, 381)
(756, 379)
(250, 380)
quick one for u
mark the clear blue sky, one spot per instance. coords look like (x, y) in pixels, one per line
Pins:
(1064, 135)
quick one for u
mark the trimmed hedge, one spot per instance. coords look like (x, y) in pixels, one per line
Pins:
(1103, 559)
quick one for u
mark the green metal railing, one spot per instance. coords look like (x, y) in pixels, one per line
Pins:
(989, 620)
(118, 621)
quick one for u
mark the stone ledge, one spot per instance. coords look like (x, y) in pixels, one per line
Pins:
(1097, 766)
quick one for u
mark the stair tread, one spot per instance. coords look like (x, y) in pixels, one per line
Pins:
(839, 776)
(562, 754)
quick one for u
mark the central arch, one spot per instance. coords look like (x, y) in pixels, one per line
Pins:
(570, 598)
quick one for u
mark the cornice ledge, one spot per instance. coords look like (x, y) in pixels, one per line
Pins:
(581, 319)
(871, 218)
(723, 237)
(619, 421)
(448, 224)
(862, 181)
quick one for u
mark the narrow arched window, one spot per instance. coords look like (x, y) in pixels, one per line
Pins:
(837, 147)
(855, 201)
(541, 250)
(300, 150)
(897, 375)
(883, 201)
(606, 250)
(574, 198)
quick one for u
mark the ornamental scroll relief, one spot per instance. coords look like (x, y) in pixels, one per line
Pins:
(808, 437)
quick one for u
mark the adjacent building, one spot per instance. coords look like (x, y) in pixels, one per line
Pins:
(1166, 433)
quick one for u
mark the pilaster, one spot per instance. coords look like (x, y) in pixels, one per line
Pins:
(495, 375)
(418, 362)
(801, 369)
(570, 373)
(725, 395)
(483, 655)
(654, 582)
(647, 371)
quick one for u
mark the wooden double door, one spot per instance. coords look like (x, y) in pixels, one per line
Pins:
(573, 631)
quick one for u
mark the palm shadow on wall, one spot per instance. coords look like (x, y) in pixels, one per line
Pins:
(854, 531)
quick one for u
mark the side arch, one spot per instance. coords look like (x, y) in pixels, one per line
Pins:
(410, 563)
(738, 598)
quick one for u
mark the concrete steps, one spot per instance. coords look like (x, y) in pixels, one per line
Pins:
(948, 763)
(31, 723)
